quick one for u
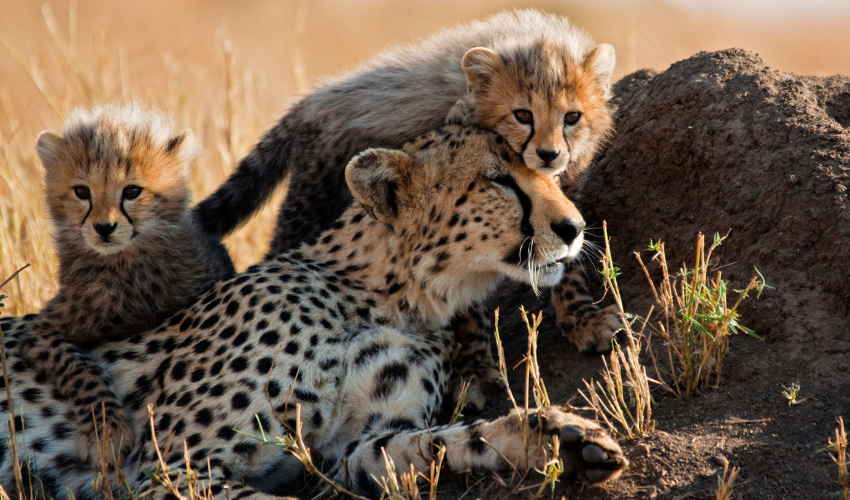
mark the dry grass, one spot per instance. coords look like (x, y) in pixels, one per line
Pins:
(726, 481)
(622, 400)
(10, 425)
(838, 452)
(228, 118)
(697, 319)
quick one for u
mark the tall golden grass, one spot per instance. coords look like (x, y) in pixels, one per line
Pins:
(228, 118)
(183, 58)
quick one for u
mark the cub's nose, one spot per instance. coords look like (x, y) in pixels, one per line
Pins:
(568, 229)
(547, 155)
(105, 229)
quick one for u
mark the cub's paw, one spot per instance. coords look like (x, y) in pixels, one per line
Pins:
(586, 449)
(117, 434)
(591, 328)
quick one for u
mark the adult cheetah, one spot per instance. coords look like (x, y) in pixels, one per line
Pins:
(353, 327)
(538, 81)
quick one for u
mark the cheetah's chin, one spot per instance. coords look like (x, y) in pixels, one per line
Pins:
(544, 275)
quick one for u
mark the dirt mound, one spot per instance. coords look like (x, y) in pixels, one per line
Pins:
(720, 141)
(717, 142)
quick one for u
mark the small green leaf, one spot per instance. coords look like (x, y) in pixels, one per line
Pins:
(718, 239)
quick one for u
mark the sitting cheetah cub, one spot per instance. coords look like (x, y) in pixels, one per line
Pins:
(129, 253)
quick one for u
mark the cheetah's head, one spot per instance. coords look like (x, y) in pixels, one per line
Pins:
(465, 211)
(116, 173)
(548, 102)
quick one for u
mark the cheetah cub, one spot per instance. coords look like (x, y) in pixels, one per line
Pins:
(129, 253)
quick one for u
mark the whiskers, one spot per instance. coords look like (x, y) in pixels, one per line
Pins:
(529, 263)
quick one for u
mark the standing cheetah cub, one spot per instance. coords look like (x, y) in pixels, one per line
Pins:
(129, 253)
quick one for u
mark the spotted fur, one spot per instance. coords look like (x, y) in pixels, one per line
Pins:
(129, 255)
(352, 328)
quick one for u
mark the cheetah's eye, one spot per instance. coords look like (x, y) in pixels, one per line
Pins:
(572, 117)
(131, 192)
(524, 116)
(82, 192)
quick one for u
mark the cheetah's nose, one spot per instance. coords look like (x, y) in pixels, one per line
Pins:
(105, 229)
(547, 155)
(568, 229)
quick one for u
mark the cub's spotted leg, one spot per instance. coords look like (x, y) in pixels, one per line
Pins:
(80, 381)
(474, 361)
(581, 320)
(587, 451)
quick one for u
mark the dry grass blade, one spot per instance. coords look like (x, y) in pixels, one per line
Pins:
(553, 467)
(726, 482)
(461, 402)
(622, 400)
(295, 445)
(13, 439)
(434, 476)
(840, 455)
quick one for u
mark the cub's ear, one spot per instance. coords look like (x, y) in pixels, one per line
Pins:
(185, 147)
(373, 176)
(600, 61)
(480, 64)
(51, 150)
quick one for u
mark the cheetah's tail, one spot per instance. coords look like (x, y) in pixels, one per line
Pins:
(249, 186)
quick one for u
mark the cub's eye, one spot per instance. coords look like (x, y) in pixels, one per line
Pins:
(131, 192)
(572, 117)
(82, 192)
(524, 116)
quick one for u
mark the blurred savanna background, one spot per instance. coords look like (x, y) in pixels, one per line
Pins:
(228, 69)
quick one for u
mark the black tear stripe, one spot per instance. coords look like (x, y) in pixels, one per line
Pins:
(530, 136)
(91, 205)
(121, 206)
(524, 201)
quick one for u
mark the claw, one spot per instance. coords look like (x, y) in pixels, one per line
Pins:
(593, 454)
(571, 434)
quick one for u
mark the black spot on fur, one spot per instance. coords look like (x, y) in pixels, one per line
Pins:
(388, 377)
(240, 401)
(379, 443)
(204, 417)
(306, 396)
(371, 351)
(226, 433)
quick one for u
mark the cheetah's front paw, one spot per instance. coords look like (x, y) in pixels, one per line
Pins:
(590, 329)
(117, 433)
(587, 450)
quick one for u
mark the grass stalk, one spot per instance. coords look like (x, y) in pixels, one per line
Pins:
(839, 454)
(726, 481)
(622, 400)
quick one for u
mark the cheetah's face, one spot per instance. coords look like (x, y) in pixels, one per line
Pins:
(550, 107)
(108, 191)
(463, 205)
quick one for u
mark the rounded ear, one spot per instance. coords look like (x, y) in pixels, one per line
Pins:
(50, 149)
(185, 147)
(601, 61)
(373, 176)
(479, 64)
